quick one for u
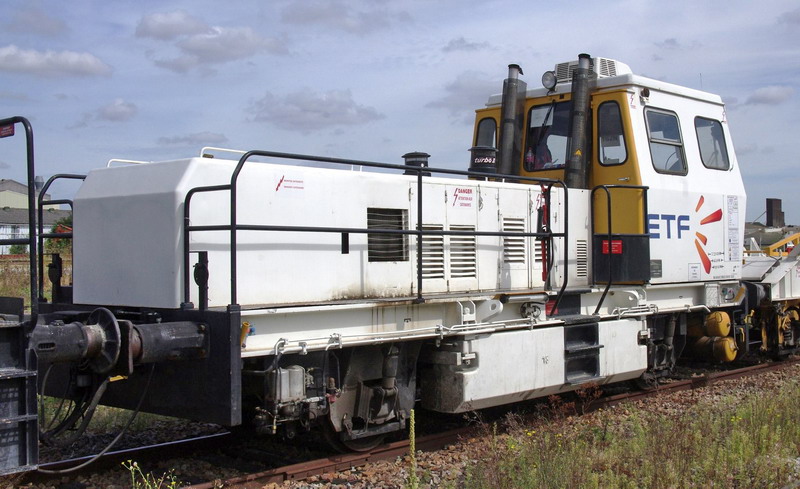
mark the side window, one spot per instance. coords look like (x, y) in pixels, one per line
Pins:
(611, 143)
(487, 133)
(666, 145)
(547, 140)
(712, 143)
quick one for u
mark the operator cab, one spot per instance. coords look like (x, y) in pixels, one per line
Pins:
(651, 150)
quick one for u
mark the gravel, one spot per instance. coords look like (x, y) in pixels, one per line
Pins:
(443, 468)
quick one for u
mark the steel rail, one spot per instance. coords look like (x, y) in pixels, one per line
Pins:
(391, 451)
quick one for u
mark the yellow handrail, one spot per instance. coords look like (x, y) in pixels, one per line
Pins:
(778, 248)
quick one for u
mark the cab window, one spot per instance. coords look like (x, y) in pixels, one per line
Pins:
(712, 143)
(666, 144)
(611, 142)
(487, 133)
(547, 138)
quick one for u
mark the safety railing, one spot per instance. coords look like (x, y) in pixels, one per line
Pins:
(609, 243)
(234, 227)
(7, 129)
(41, 234)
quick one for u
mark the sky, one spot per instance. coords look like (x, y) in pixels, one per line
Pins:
(369, 79)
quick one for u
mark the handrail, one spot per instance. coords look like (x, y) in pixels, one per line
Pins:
(607, 189)
(129, 162)
(234, 226)
(772, 250)
(224, 150)
(31, 209)
(42, 235)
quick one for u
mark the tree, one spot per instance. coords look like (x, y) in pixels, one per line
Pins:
(60, 245)
(18, 249)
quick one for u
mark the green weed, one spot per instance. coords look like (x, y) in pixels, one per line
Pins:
(745, 443)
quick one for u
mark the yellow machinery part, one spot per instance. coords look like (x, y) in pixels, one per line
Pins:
(725, 349)
(718, 323)
(722, 349)
(243, 333)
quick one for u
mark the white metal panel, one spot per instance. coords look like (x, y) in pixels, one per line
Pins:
(524, 364)
(696, 221)
(622, 355)
(129, 240)
(127, 226)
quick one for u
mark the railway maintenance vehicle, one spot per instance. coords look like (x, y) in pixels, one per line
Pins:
(596, 236)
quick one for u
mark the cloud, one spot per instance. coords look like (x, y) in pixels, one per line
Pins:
(467, 91)
(117, 111)
(33, 20)
(51, 63)
(461, 44)
(4, 165)
(791, 17)
(672, 44)
(770, 95)
(5, 94)
(745, 149)
(195, 139)
(341, 16)
(307, 110)
(170, 25)
(227, 44)
(218, 45)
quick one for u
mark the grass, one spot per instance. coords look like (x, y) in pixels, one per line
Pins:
(736, 443)
(106, 419)
(142, 480)
(15, 276)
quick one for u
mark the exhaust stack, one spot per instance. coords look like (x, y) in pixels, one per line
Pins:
(577, 169)
(512, 112)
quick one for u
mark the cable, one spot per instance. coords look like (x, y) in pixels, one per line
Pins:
(114, 441)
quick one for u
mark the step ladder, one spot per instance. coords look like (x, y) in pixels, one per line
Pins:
(19, 430)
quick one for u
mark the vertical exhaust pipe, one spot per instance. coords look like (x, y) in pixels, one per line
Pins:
(511, 111)
(577, 169)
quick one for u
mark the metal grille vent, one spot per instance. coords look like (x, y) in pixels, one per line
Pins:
(605, 67)
(384, 246)
(462, 254)
(513, 246)
(564, 71)
(537, 253)
(432, 254)
(582, 258)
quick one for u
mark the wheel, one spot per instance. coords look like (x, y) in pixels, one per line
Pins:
(335, 441)
(646, 382)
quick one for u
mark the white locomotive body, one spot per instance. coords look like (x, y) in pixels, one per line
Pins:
(597, 237)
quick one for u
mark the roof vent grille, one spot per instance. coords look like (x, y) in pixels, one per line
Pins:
(604, 68)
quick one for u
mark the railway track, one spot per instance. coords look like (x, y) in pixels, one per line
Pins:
(303, 470)
(113, 459)
(258, 475)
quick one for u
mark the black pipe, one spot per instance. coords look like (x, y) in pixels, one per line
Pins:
(511, 112)
(577, 169)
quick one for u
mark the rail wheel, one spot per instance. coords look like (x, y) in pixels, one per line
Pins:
(335, 440)
(646, 382)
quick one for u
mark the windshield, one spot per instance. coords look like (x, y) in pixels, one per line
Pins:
(548, 136)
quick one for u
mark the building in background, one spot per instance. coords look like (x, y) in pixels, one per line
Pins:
(14, 212)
